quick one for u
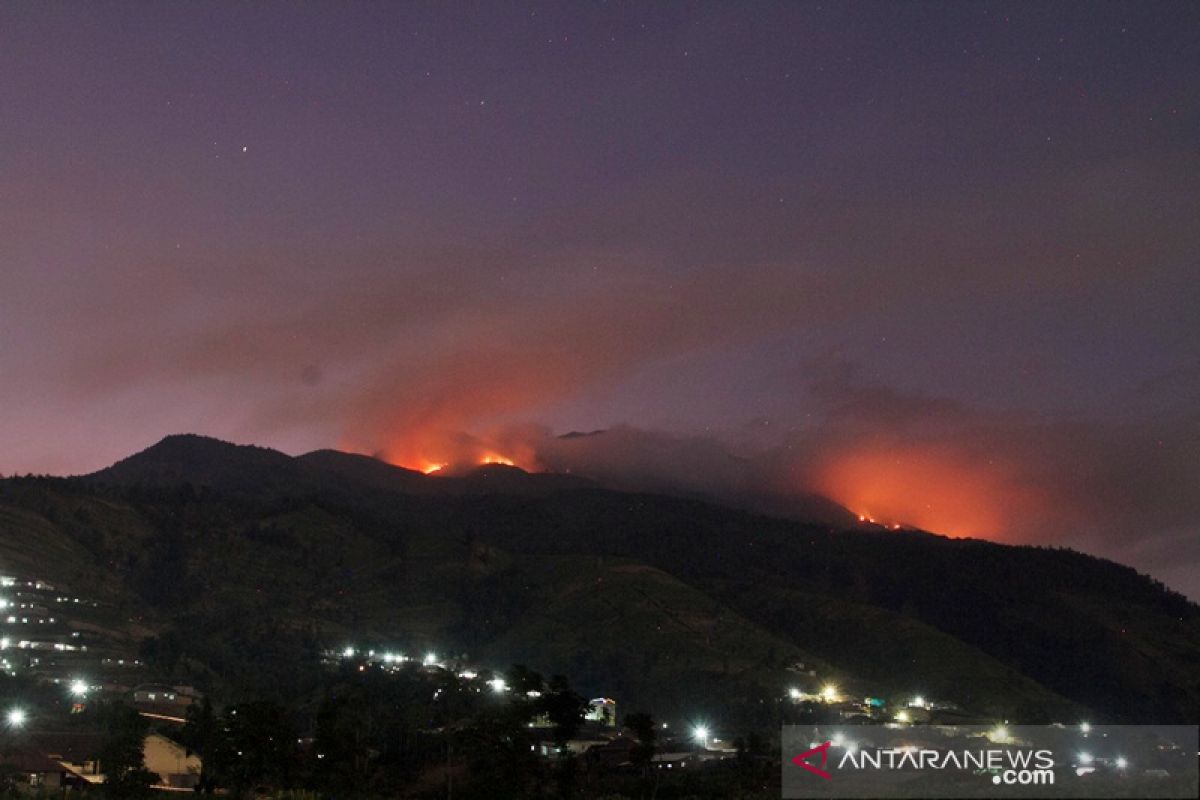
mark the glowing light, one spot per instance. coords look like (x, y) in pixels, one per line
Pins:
(429, 469)
(838, 739)
(79, 688)
(1086, 758)
(1085, 727)
(829, 693)
(794, 693)
(918, 701)
(935, 487)
(491, 458)
(348, 652)
(902, 716)
(499, 685)
(1121, 762)
(700, 734)
(1000, 734)
(16, 718)
(430, 659)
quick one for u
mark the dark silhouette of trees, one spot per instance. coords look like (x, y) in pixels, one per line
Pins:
(122, 755)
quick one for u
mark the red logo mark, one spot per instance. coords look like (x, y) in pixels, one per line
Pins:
(823, 749)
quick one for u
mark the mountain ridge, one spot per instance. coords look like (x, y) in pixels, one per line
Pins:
(1021, 632)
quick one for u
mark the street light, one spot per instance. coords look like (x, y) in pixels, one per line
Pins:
(701, 735)
(79, 688)
(1085, 727)
(16, 718)
(1122, 763)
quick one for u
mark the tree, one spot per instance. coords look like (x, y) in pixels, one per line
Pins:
(565, 709)
(202, 735)
(122, 753)
(644, 729)
(258, 746)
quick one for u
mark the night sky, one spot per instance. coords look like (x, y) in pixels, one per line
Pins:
(938, 262)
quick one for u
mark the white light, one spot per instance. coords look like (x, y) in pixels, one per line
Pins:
(1000, 734)
(348, 652)
(700, 734)
(16, 718)
(919, 701)
(1085, 727)
(838, 739)
(498, 685)
(902, 716)
(829, 693)
(430, 659)
(1122, 763)
(79, 688)
(794, 693)
(1085, 758)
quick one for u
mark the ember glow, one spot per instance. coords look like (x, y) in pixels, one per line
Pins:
(437, 452)
(929, 488)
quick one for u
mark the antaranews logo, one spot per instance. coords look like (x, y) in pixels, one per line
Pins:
(936, 761)
(800, 759)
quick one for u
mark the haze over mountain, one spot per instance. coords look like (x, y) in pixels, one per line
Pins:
(666, 601)
(935, 262)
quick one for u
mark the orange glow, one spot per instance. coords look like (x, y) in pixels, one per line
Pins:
(931, 487)
(448, 453)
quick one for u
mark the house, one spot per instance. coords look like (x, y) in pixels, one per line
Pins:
(37, 771)
(74, 752)
(73, 756)
(160, 694)
(171, 762)
(602, 710)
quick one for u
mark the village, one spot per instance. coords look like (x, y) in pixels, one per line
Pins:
(52, 640)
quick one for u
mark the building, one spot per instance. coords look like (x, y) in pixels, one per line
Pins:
(171, 762)
(603, 711)
(37, 771)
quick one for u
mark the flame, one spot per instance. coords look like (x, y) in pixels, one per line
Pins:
(449, 452)
(930, 487)
(867, 518)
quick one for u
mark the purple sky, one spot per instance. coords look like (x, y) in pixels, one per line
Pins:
(939, 262)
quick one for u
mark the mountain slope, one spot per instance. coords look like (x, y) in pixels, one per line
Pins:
(333, 548)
